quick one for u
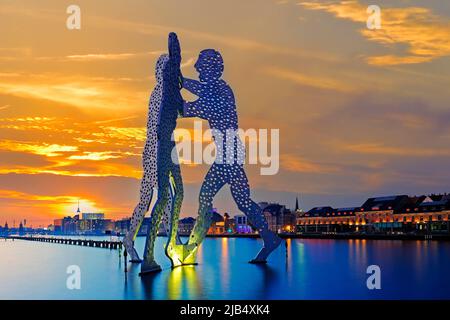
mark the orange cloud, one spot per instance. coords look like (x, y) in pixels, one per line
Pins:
(80, 91)
(298, 164)
(426, 35)
(95, 156)
(393, 60)
(139, 134)
(110, 56)
(49, 150)
(309, 80)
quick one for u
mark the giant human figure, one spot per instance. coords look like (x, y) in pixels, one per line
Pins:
(159, 171)
(216, 104)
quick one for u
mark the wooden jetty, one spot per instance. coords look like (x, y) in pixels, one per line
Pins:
(75, 242)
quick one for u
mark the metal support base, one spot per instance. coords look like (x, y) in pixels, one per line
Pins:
(149, 268)
(180, 255)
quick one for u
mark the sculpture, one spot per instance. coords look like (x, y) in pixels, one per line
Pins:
(216, 104)
(159, 171)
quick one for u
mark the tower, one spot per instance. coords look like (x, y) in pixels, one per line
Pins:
(21, 229)
(296, 204)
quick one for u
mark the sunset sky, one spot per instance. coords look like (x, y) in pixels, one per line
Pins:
(361, 112)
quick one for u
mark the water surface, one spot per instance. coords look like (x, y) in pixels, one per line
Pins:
(312, 269)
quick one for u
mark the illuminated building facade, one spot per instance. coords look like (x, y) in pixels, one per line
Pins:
(185, 226)
(241, 224)
(218, 223)
(93, 216)
(279, 218)
(402, 214)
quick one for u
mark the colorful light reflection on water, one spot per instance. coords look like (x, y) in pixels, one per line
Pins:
(311, 269)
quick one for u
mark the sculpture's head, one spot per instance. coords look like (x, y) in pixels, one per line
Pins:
(209, 65)
(160, 66)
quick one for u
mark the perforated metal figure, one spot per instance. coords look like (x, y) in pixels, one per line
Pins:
(149, 181)
(159, 171)
(167, 170)
(216, 104)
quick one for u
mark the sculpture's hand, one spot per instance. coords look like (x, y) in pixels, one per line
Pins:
(174, 49)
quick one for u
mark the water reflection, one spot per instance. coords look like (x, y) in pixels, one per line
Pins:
(357, 253)
(312, 269)
(149, 286)
(225, 267)
(183, 282)
(129, 287)
(269, 276)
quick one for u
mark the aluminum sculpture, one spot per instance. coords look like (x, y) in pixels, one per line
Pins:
(216, 104)
(162, 175)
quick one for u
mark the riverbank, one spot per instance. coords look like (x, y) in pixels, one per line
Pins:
(343, 236)
(334, 236)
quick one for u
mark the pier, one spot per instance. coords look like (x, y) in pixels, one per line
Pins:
(112, 245)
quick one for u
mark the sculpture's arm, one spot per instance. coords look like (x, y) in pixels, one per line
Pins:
(193, 86)
(174, 49)
(194, 109)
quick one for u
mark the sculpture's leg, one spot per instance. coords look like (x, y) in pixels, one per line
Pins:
(139, 212)
(214, 181)
(149, 264)
(175, 250)
(240, 191)
(167, 217)
(167, 212)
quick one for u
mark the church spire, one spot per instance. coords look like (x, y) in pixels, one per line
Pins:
(296, 204)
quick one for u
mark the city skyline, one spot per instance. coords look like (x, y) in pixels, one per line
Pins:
(370, 113)
(297, 208)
